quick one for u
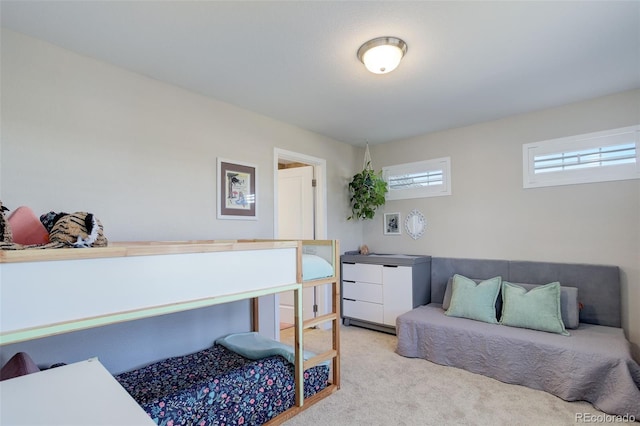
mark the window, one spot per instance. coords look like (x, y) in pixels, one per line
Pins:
(429, 178)
(593, 157)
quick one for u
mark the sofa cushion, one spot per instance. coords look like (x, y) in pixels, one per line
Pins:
(474, 300)
(537, 309)
(448, 290)
(447, 296)
(569, 305)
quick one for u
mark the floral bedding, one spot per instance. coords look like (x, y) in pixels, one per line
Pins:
(218, 387)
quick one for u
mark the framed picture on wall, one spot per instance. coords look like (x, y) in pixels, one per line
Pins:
(237, 190)
(392, 224)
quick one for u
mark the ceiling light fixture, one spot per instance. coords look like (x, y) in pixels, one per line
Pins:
(383, 54)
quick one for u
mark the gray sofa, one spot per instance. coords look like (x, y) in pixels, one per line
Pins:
(593, 364)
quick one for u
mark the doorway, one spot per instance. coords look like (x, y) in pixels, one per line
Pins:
(300, 213)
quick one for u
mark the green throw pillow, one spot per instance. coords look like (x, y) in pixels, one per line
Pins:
(474, 301)
(537, 309)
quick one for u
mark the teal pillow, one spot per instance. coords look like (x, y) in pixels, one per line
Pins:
(569, 305)
(537, 309)
(474, 301)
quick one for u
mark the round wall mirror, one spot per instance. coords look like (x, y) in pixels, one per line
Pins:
(415, 224)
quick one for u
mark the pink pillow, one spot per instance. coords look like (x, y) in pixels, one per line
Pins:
(19, 365)
(27, 228)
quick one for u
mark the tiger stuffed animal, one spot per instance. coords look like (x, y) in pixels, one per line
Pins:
(80, 229)
(5, 230)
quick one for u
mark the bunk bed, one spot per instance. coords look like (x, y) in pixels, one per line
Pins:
(46, 292)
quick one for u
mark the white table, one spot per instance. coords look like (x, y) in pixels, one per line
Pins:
(82, 394)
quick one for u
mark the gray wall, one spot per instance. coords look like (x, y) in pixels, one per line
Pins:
(82, 135)
(490, 215)
(78, 134)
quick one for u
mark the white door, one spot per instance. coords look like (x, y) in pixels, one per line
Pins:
(295, 203)
(296, 221)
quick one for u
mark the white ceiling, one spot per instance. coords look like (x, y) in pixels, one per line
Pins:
(296, 62)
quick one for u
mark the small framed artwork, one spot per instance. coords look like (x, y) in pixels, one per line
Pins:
(237, 190)
(392, 224)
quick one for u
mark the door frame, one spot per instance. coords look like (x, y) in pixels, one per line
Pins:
(320, 213)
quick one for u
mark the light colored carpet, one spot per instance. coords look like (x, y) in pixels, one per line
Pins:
(380, 387)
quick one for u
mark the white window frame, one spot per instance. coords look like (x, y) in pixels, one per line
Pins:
(602, 139)
(438, 164)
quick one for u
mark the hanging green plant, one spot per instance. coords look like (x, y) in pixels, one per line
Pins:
(367, 190)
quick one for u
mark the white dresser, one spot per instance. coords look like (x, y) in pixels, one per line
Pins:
(376, 288)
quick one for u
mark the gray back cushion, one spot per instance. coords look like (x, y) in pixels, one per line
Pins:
(598, 286)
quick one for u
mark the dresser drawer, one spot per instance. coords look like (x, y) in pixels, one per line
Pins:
(366, 311)
(362, 291)
(362, 272)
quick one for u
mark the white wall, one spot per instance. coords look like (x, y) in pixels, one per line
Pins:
(82, 135)
(490, 215)
(79, 134)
